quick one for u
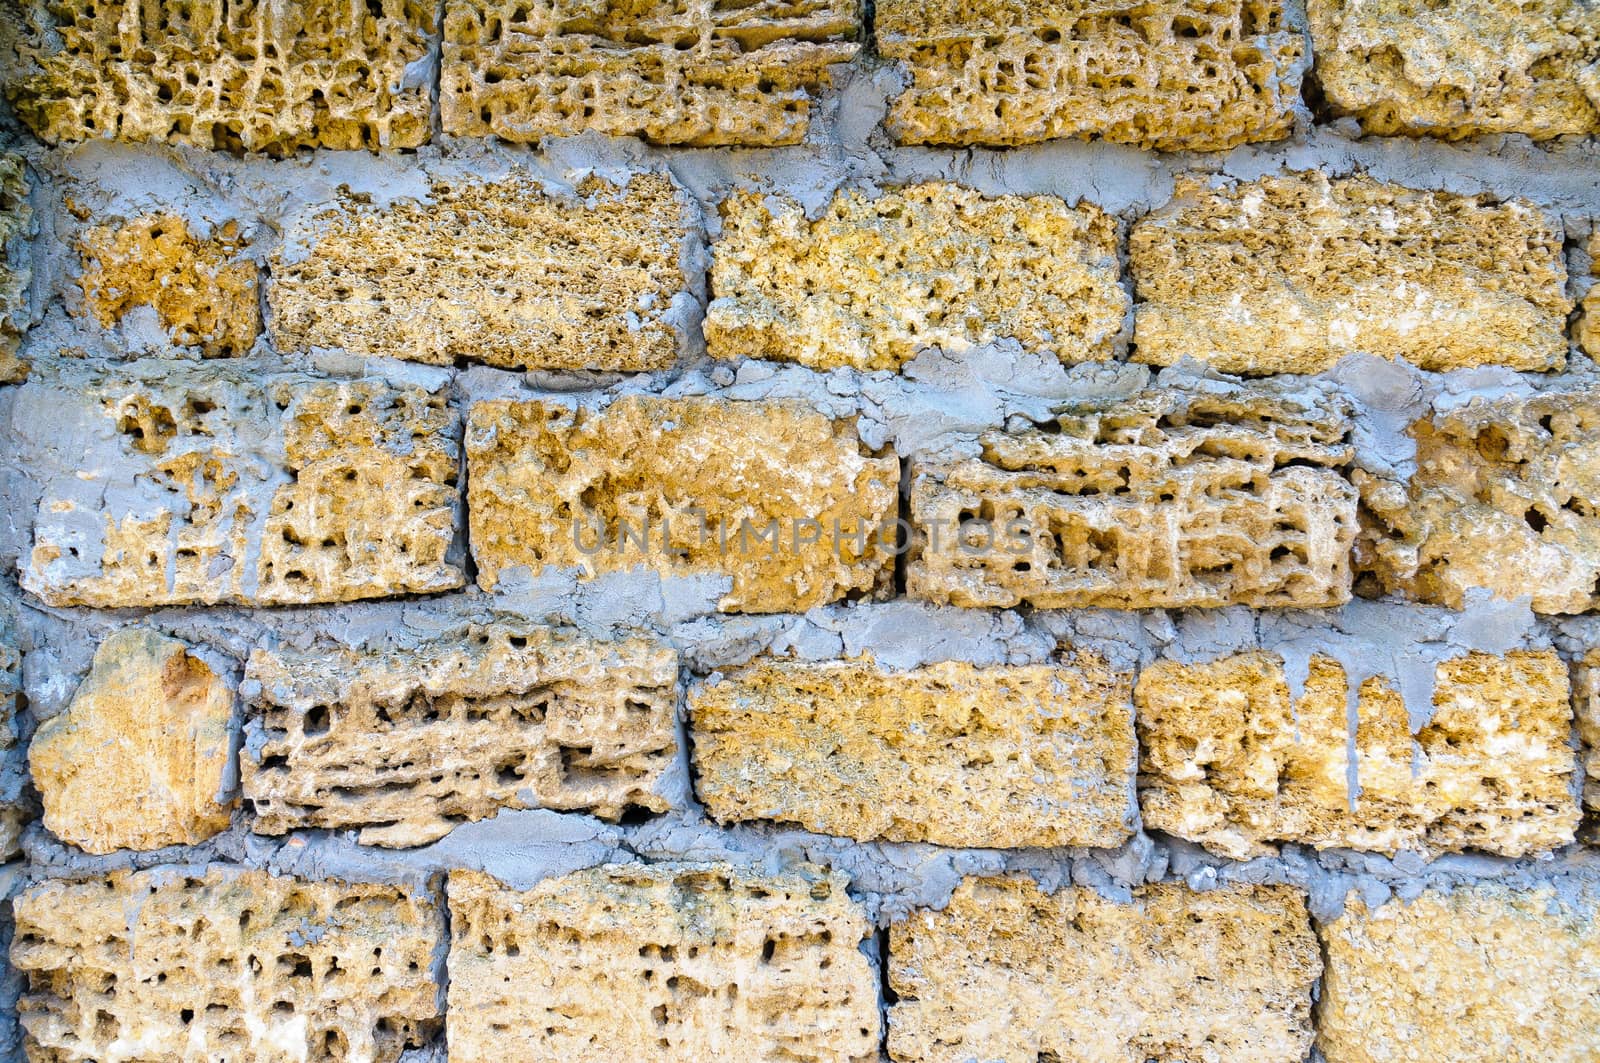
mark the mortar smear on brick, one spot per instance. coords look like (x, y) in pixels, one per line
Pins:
(16, 807)
(16, 269)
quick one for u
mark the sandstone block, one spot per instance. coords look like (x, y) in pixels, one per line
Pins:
(201, 964)
(1290, 274)
(1586, 707)
(672, 73)
(661, 962)
(775, 496)
(15, 806)
(1462, 69)
(1172, 498)
(1007, 972)
(944, 267)
(406, 743)
(218, 482)
(499, 272)
(16, 270)
(1587, 330)
(1177, 75)
(947, 753)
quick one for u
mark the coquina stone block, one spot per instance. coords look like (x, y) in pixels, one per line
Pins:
(1008, 972)
(502, 272)
(174, 483)
(1586, 706)
(1174, 76)
(199, 964)
(1587, 331)
(1171, 498)
(1289, 274)
(661, 962)
(1486, 972)
(15, 806)
(1230, 758)
(405, 743)
(783, 502)
(253, 75)
(1461, 69)
(1032, 755)
(945, 267)
(672, 73)
(16, 268)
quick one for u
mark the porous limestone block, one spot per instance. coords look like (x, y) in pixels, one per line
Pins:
(203, 290)
(1586, 706)
(1463, 69)
(1175, 497)
(502, 272)
(1480, 974)
(1176, 75)
(1231, 759)
(1288, 274)
(252, 75)
(15, 806)
(944, 266)
(143, 756)
(661, 962)
(406, 742)
(221, 962)
(778, 498)
(1587, 331)
(16, 268)
(1007, 972)
(1505, 496)
(1002, 757)
(185, 482)
(742, 73)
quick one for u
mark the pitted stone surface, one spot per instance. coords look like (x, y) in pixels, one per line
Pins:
(15, 807)
(1586, 706)
(499, 272)
(661, 962)
(1008, 972)
(1587, 331)
(673, 73)
(16, 269)
(1289, 274)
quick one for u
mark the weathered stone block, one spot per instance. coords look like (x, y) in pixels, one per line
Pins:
(1231, 759)
(1179, 75)
(406, 743)
(219, 482)
(1586, 707)
(1461, 69)
(944, 267)
(1290, 274)
(15, 807)
(499, 272)
(778, 498)
(946, 753)
(184, 963)
(661, 962)
(700, 74)
(16, 269)
(252, 76)
(1172, 498)
(1007, 972)
(1587, 331)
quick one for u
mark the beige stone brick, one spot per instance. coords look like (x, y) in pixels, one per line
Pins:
(16, 270)
(1007, 972)
(1179, 75)
(1288, 274)
(501, 272)
(1033, 755)
(661, 962)
(696, 482)
(698, 74)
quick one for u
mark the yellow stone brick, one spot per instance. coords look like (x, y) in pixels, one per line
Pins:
(1586, 706)
(16, 272)
(1587, 331)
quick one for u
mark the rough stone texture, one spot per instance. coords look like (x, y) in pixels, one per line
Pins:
(252, 75)
(16, 271)
(684, 487)
(405, 744)
(661, 962)
(1461, 69)
(1290, 274)
(1169, 499)
(945, 268)
(143, 755)
(1231, 760)
(203, 290)
(1479, 974)
(1587, 331)
(673, 73)
(225, 963)
(15, 806)
(1586, 706)
(1506, 495)
(499, 272)
(221, 482)
(1001, 757)
(1007, 972)
(1178, 75)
